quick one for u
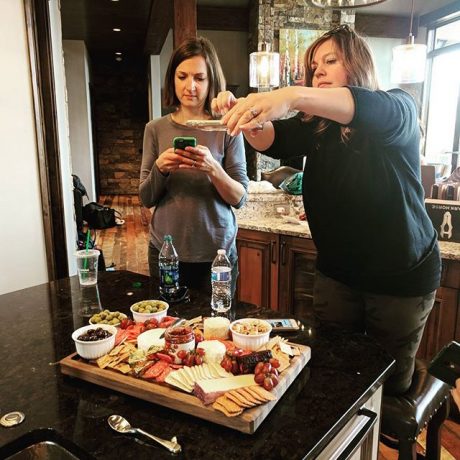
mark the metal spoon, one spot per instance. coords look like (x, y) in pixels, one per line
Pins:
(120, 424)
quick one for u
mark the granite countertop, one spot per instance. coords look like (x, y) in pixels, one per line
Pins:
(277, 224)
(36, 332)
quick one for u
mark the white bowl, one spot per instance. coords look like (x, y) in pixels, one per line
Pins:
(98, 348)
(141, 317)
(250, 342)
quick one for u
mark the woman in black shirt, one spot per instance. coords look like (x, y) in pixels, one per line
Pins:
(378, 260)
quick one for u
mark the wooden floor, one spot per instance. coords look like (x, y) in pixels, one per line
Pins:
(125, 247)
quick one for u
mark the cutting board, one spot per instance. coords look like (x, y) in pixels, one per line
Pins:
(164, 395)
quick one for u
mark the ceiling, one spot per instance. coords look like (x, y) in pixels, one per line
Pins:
(93, 20)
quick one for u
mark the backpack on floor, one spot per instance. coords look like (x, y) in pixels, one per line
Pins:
(100, 216)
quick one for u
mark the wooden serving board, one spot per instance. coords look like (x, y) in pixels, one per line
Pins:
(167, 396)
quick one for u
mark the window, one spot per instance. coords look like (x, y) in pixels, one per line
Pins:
(442, 97)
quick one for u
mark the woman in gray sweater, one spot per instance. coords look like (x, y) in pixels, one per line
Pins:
(193, 191)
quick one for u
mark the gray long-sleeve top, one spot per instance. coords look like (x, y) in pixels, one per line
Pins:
(186, 203)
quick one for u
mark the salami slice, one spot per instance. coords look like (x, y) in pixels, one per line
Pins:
(155, 370)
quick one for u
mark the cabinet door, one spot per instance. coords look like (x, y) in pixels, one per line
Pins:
(297, 276)
(443, 324)
(258, 265)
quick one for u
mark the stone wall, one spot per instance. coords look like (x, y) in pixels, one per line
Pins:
(267, 18)
(120, 105)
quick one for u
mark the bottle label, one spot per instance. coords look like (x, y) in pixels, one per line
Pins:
(169, 278)
(221, 274)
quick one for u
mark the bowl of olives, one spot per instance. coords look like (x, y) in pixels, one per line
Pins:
(148, 309)
(94, 341)
(114, 318)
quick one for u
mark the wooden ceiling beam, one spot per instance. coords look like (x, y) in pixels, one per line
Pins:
(160, 21)
(216, 18)
(184, 20)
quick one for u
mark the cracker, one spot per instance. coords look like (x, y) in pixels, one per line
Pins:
(263, 392)
(104, 361)
(256, 395)
(228, 404)
(237, 399)
(123, 368)
(247, 396)
(221, 408)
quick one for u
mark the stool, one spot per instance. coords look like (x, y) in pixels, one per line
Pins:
(426, 403)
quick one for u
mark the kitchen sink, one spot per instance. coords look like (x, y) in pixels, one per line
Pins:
(41, 444)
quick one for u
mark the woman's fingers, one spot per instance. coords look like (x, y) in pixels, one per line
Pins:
(224, 101)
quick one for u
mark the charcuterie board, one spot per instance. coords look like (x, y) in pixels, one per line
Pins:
(164, 395)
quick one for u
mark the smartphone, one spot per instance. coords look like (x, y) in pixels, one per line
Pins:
(283, 324)
(445, 365)
(182, 142)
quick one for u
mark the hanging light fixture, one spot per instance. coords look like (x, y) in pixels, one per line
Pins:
(408, 65)
(264, 65)
(343, 4)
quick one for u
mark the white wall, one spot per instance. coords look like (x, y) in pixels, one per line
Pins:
(21, 228)
(155, 86)
(63, 134)
(81, 139)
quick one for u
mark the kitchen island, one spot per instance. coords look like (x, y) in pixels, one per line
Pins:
(345, 371)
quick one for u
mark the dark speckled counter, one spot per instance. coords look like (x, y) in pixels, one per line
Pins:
(36, 326)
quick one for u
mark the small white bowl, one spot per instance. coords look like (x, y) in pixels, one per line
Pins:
(250, 342)
(141, 317)
(98, 348)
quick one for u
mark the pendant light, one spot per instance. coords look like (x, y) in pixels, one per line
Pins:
(344, 4)
(264, 65)
(408, 65)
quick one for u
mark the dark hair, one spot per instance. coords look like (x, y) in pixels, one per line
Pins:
(357, 60)
(191, 47)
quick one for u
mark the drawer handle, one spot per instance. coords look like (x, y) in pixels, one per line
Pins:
(273, 251)
(354, 444)
(283, 253)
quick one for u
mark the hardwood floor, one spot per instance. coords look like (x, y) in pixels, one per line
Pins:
(125, 246)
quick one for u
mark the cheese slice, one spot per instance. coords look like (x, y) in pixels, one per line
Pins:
(171, 379)
(226, 383)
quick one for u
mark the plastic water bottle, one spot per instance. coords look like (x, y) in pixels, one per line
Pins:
(169, 268)
(221, 278)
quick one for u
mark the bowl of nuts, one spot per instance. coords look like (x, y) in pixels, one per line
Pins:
(148, 309)
(114, 318)
(92, 342)
(250, 333)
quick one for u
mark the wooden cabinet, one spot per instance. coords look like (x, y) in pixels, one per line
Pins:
(443, 324)
(258, 254)
(278, 272)
(297, 264)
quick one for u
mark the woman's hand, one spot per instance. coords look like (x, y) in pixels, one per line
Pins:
(223, 102)
(250, 113)
(456, 393)
(198, 158)
(169, 161)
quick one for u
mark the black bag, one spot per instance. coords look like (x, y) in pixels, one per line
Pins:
(99, 216)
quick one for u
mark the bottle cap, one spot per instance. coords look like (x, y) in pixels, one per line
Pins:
(221, 251)
(167, 238)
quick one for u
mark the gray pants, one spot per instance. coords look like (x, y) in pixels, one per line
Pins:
(194, 275)
(397, 323)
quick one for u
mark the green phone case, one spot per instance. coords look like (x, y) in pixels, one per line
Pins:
(182, 142)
